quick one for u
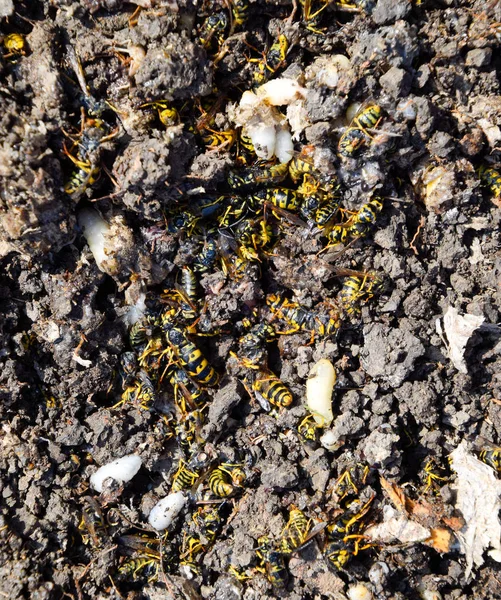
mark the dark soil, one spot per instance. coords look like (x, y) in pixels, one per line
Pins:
(434, 67)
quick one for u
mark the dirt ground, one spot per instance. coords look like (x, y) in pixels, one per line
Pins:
(434, 69)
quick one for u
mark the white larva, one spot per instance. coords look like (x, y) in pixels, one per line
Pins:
(121, 471)
(279, 92)
(284, 147)
(319, 387)
(95, 230)
(166, 510)
(264, 139)
(359, 592)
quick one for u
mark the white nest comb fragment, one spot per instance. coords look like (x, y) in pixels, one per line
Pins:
(479, 500)
(458, 330)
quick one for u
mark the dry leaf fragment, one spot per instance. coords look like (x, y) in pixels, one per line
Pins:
(479, 500)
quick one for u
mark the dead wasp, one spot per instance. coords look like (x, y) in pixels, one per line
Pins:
(213, 30)
(491, 178)
(279, 197)
(184, 478)
(208, 521)
(343, 537)
(187, 393)
(308, 429)
(239, 10)
(207, 256)
(327, 210)
(296, 532)
(181, 221)
(92, 522)
(189, 356)
(273, 562)
(357, 135)
(267, 388)
(187, 431)
(144, 555)
(252, 346)
(368, 117)
(272, 61)
(225, 479)
(302, 164)
(351, 142)
(128, 368)
(15, 44)
(358, 225)
(356, 288)
(301, 318)
(168, 115)
(312, 16)
(488, 453)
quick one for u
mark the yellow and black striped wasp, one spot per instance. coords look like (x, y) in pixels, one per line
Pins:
(212, 30)
(298, 532)
(488, 452)
(143, 553)
(15, 44)
(272, 561)
(357, 134)
(189, 356)
(358, 287)
(343, 536)
(92, 525)
(301, 318)
(490, 178)
(272, 60)
(358, 225)
(252, 345)
(225, 479)
(167, 114)
(185, 477)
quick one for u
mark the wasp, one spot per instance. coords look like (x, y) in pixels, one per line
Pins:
(145, 555)
(356, 288)
(367, 117)
(358, 225)
(15, 44)
(308, 429)
(86, 175)
(167, 114)
(311, 17)
(207, 256)
(252, 344)
(213, 28)
(343, 537)
(208, 521)
(186, 391)
(138, 336)
(327, 211)
(187, 288)
(187, 431)
(301, 318)
(268, 388)
(218, 139)
(273, 562)
(243, 179)
(351, 142)
(182, 221)
(239, 10)
(128, 368)
(491, 178)
(488, 453)
(350, 481)
(269, 175)
(279, 197)
(184, 478)
(302, 164)
(224, 479)
(146, 395)
(190, 357)
(272, 61)
(92, 522)
(296, 532)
